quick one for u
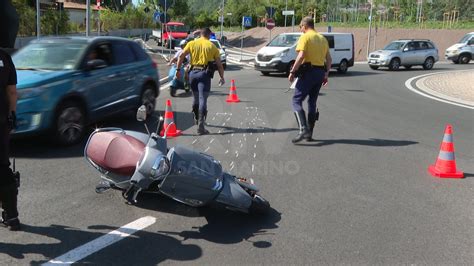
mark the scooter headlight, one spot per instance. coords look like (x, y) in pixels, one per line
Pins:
(160, 168)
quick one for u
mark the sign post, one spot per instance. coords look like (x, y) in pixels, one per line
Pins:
(246, 22)
(270, 25)
(290, 13)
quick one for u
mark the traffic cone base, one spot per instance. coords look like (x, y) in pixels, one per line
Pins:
(435, 172)
(169, 127)
(233, 98)
(445, 166)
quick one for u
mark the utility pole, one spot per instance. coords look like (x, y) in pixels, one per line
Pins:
(221, 16)
(38, 21)
(286, 8)
(88, 17)
(370, 27)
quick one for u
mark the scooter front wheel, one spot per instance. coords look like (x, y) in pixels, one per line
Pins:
(259, 205)
(172, 91)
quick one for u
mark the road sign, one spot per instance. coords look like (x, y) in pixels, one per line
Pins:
(247, 21)
(288, 12)
(270, 11)
(221, 19)
(270, 24)
(156, 16)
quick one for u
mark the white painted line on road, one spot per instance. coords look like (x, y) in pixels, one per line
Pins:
(253, 168)
(102, 242)
(212, 140)
(195, 141)
(207, 149)
(226, 151)
(410, 87)
(231, 168)
(254, 155)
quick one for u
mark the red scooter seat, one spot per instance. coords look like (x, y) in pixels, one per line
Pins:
(115, 152)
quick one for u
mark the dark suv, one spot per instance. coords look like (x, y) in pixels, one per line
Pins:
(405, 53)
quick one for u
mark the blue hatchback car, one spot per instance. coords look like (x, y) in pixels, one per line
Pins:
(64, 84)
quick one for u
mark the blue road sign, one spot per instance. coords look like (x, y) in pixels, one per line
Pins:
(156, 16)
(247, 21)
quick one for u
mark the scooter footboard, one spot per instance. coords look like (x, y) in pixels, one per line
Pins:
(233, 195)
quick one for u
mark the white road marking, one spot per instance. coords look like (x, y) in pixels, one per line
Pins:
(226, 151)
(228, 119)
(207, 149)
(212, 140)
(253, 168)
(254, 155)
(102, 242)
(410, 87)
(223, 124)
(231, 168)
(195, 141)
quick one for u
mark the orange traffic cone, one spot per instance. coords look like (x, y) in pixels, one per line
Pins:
(232, 98)
(446, 163)
(169, 122)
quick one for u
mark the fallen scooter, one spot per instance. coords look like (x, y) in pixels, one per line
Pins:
(177, 84)
(135, 162)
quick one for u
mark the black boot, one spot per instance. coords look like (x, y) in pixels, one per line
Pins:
(201, 130)
(304, 132)
(196, 113)
(312, 118)
(8, 198)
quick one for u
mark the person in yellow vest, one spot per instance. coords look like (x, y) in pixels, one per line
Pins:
(311, 67)
(204, 59)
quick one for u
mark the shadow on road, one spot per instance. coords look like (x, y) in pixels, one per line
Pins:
(44, 147)
(150, 248)
(233, 67)
(223, 226)
(236, 130)
(362, 142)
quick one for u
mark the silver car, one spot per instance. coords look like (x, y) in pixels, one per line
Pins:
(222, 52)
(405, 53)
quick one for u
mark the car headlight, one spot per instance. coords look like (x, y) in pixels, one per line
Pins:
(282, 54)
(29, 93)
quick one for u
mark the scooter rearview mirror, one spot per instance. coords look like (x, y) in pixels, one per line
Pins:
(141, 113)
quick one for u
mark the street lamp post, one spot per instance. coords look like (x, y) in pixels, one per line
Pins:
(221, 15)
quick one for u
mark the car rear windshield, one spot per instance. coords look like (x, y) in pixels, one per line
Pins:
(49, 56)
(284, 40)
(394, 46)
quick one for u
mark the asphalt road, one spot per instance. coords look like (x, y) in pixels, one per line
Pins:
(359, 194)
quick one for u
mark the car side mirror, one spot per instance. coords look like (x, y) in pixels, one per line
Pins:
(141, 113)
(405, 49)
(96, 64)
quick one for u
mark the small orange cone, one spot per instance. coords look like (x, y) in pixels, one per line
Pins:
(446, 163)
(169, 122)
(232, 98)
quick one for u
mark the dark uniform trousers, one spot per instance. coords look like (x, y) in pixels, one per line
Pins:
(308, 86)
(201, 87)
(8, 186)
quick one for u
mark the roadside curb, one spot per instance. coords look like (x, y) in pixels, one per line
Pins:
(415, 84)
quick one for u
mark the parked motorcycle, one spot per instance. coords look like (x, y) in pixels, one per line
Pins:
(177, 84)
(135, 162)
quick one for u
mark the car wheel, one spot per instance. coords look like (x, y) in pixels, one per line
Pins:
(407, 67)
(342, 67)
(265, 73)
(70, 123)
(374, 67)
(148, 99)
(428, 64)
(394, 64)
(464, 59)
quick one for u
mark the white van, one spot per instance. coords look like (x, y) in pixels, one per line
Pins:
(463, 51)
(280, 53)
